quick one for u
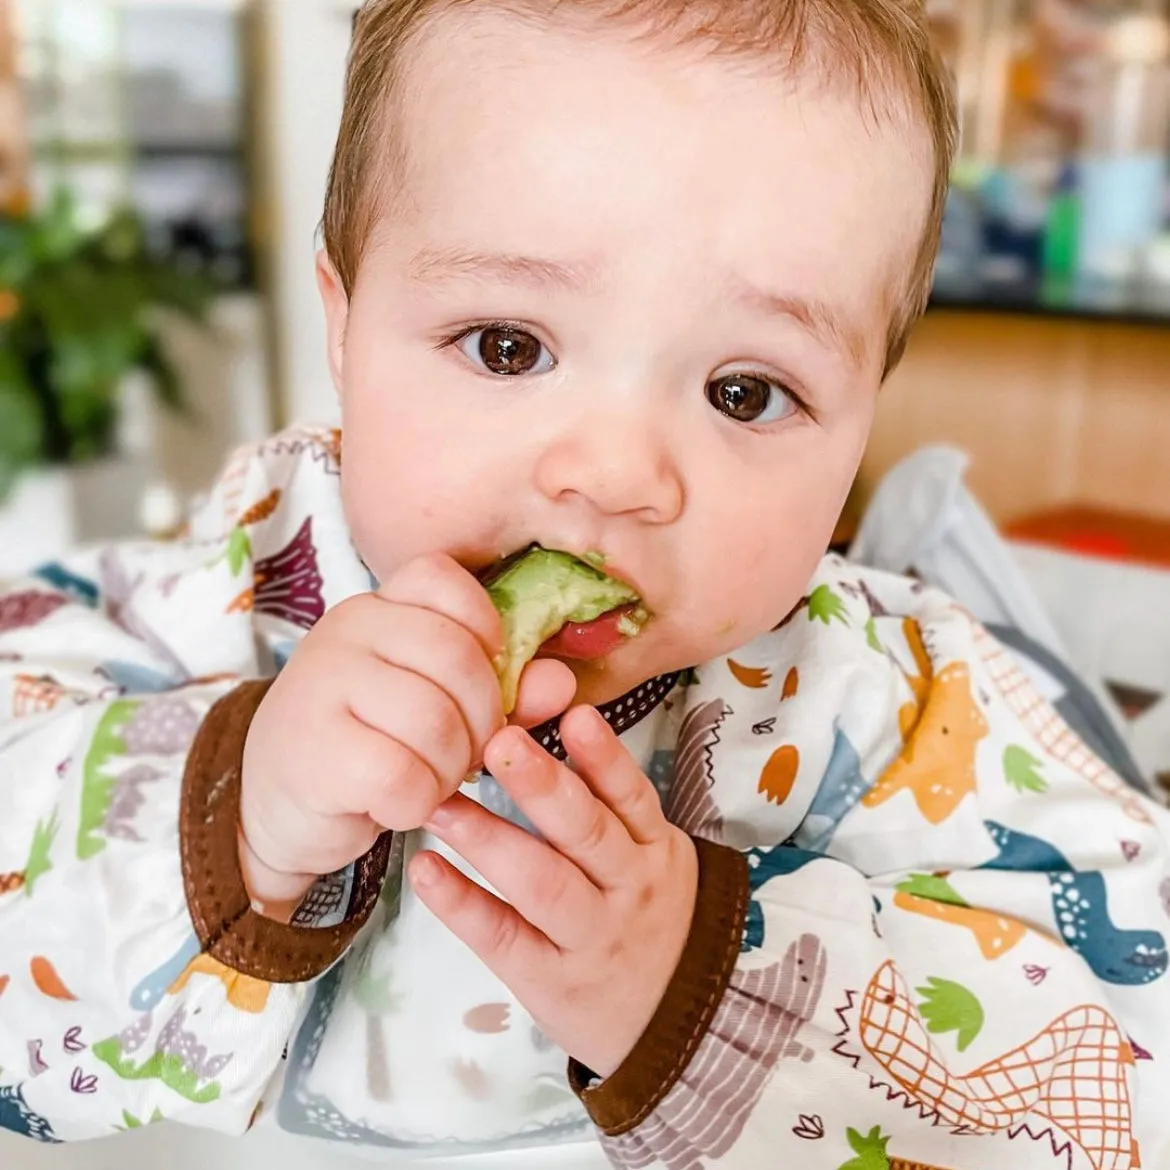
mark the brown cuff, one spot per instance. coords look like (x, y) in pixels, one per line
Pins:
(626, 1099)
(221, 910)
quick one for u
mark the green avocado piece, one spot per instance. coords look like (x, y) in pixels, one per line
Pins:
(539, 592)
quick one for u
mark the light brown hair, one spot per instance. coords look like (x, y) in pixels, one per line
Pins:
(881, 48)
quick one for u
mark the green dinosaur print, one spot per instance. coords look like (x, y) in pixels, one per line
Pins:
(165, 1067)
(97, 788)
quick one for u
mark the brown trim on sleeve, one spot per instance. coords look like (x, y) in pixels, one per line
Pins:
(627, 1098)
(225, 923)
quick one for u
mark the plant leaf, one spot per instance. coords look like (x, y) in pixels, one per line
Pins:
(951, 1007)
(21, 421)
(934, 889)
(239, 551)
(167, 384)
(870, 1149)
(826, 606)
(1020, 770)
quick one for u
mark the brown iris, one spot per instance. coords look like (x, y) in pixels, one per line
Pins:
(742, 397)
(509, 352)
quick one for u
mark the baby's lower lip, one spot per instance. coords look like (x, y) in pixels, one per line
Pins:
(592, 640)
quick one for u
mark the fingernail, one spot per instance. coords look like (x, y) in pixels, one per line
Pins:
(519, 746)
(426, 870)
(441, 818)
(591, 728)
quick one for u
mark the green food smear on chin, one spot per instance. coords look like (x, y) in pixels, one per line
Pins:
(538, 593)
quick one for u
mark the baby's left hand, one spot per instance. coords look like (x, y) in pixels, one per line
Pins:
(599, 911)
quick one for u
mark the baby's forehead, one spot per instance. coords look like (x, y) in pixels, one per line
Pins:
(456, 96)
(600, 155)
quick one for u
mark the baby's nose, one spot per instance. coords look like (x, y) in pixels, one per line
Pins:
(618, 467)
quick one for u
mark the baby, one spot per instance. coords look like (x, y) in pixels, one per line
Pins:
(826, 884)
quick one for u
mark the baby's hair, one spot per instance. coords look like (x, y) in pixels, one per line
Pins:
(881, 50)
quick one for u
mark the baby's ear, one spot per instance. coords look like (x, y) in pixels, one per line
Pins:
(336, 305)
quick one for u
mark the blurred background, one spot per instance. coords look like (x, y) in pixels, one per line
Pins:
(162, 168)
(162, 164)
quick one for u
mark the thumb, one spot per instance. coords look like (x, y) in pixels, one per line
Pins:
(547, 688)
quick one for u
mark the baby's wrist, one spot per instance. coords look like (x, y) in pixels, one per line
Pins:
(274, 894)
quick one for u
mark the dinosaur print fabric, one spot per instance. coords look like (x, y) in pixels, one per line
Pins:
(954, 950)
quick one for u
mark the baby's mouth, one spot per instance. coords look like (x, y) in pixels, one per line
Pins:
(559, 605)
(589, 641)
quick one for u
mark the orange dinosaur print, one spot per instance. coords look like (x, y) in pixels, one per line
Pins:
(995, 934)
(1074, 1073)
(753, 677)
(937, 764)
(919, 683)
(244, 992)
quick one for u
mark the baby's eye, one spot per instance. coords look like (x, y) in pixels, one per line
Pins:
(506, 351)
(750, 398)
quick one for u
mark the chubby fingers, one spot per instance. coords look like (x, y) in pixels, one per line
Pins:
(545, 888)
(613, 775)
(510, 946)
(562, 808)
(441, 584)
(547, 688)
(435, 649)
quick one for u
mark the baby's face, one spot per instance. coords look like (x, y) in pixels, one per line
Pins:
(629, 301)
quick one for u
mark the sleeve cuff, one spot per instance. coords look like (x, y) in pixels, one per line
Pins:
(221, 911)
(625, 1100)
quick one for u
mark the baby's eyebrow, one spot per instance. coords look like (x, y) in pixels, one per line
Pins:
(828, 324)
(438, 264)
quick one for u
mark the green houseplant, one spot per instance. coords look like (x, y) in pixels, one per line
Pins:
(77, 315)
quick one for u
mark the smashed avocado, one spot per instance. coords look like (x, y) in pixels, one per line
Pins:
(539, 592)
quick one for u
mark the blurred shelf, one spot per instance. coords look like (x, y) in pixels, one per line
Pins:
(1132, 303)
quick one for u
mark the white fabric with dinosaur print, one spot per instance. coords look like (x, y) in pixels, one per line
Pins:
(954, 953)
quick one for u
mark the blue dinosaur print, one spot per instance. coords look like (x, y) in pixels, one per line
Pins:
(69, 583)
(840, 789)
(763, 865)
(153, 988)
(1081, 910)
(18, 1118)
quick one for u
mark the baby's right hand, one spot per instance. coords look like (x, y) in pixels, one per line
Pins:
(377, 719)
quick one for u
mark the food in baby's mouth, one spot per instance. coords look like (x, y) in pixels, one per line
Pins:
(555, 600)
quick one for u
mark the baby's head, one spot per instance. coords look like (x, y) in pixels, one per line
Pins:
(625, 277)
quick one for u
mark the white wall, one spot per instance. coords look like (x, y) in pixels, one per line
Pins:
(304, 45)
